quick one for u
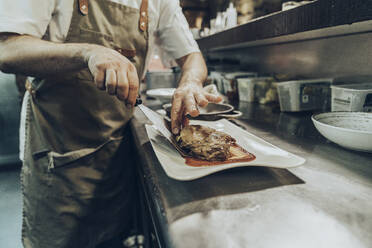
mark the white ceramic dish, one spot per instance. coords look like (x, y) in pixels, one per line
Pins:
(351, 130)
(266, 154)
(162, 94)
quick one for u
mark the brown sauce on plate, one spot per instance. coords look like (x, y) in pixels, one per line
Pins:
(239, 155)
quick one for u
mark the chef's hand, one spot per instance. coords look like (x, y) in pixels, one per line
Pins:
(190, 93)
(186, 100)
(114, 73)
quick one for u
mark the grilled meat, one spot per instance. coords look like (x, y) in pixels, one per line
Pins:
(205, 143)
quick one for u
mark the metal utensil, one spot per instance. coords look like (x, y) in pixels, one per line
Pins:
(138, 101)
(160, 124)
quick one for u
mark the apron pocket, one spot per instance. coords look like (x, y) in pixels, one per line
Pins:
(57, 160)
(84, 173)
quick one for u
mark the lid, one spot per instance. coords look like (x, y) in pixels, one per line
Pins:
(355, 86)
(255, 79)
(319, 80)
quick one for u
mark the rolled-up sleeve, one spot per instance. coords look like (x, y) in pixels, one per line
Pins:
(173, 34)
(30, 17)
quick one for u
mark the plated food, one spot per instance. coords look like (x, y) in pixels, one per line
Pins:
(175, 162)
(205, 143)
(177, 166)
(206, 146)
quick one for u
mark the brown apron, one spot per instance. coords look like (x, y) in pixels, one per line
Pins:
(77, 181)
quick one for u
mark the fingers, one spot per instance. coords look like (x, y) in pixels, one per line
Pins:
(111, 82)
(99, 79)
(133, 85)
(114, 73)
(122, 82)
(190, 105)
(201, 99)
(183, 119)
(122, 89)
(213, 98)
(176, 112)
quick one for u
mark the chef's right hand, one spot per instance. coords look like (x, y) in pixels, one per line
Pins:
(114, 73)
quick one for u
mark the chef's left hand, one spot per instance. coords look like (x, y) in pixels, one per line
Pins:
(186, 99)
(190, 93)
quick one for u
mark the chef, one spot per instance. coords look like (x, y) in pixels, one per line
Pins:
(86, 59)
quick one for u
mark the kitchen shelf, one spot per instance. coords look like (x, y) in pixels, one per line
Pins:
(317, 15)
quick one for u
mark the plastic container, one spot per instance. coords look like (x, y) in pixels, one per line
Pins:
(304, 95)
(352, 97)
(260, 89)
(216, 77)
(232, 16)
(229, 83)
(220, 22)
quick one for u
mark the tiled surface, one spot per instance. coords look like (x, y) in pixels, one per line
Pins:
(10, 207)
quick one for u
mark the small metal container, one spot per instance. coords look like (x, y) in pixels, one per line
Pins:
(162, 79)
(304, 95)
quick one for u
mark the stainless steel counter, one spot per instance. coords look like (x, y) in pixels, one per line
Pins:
(9, 120)
(327, 202)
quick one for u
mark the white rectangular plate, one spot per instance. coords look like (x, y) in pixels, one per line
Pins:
(266, 154)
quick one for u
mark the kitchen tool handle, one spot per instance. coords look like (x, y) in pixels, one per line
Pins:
(138, 101)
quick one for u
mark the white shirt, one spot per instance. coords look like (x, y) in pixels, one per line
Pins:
(168, 28)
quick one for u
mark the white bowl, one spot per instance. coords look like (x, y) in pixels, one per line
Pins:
(352, 130)
(162, 94)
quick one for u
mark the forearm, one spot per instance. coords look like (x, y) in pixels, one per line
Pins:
(21, 54)
(193, 68)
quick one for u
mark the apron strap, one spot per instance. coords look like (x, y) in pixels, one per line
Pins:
(83, 6)
(144, 19)
(30, 89)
